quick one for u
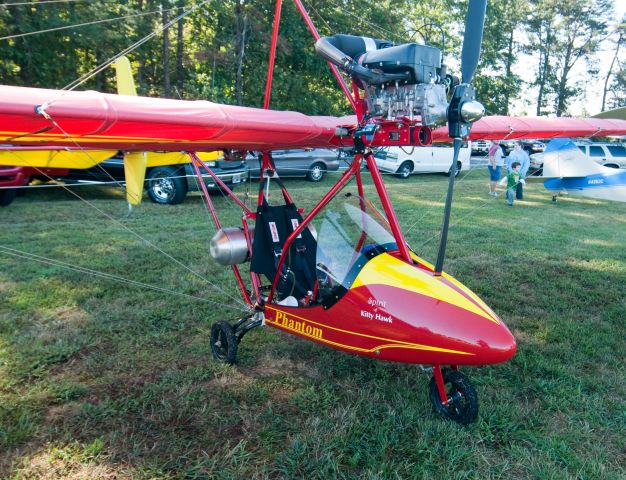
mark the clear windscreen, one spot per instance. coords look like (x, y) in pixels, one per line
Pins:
(351, 231)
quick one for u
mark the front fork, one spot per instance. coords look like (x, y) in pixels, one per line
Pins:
(441, 388)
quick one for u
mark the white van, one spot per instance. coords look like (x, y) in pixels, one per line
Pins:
(404, 161)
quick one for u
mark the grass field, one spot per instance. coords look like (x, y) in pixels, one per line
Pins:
(102, 380)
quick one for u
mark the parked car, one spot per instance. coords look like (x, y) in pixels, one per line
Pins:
(480, 147)
(435, 158)
(611, 155)
(531, 146)
(312, 163)
(608, 154)
(166, 183)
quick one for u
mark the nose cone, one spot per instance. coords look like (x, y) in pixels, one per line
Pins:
(453, 324)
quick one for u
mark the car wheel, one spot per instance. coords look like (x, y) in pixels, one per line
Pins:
(7, 196)
(459, 165)
(405, 170)
(166, 186)
(316, 172)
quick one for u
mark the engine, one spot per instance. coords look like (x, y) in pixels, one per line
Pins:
(406, 80)
(425, 100)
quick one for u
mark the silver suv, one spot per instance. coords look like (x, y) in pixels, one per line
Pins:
(608, 154)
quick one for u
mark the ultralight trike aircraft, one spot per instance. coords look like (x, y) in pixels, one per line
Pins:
(341, 274)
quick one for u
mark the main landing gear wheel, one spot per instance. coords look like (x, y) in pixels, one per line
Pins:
(224, 343)
(462, 404)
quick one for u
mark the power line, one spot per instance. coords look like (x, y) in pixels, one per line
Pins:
(37, 3)
(94, 22)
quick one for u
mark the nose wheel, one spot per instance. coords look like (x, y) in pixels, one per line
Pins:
(453, 396)
(224, 342)
(225, 337)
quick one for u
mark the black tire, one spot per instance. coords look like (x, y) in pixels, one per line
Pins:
(462, 398)
(166, 185)
(316, 172)
(224, 342)
(459, 165)
(405, 170)
(7, 196)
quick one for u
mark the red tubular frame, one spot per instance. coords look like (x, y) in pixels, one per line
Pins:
(342, 83)
(196, 162)
(388, 207)
(270, 66)
(356, 165)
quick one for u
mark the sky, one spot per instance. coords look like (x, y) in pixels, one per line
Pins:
(587, 104)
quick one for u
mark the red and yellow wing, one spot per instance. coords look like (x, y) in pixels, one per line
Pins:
(501, 127)
(104, 121)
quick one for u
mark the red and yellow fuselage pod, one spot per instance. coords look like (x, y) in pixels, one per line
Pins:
(401, 312)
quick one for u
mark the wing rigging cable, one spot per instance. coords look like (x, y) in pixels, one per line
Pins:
(82, 80)
(145, 240)
(57, 263)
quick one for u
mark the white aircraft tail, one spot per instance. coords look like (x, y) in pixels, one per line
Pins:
(562, 159)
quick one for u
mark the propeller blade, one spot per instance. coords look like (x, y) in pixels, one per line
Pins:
(472, 40)
(448, 207)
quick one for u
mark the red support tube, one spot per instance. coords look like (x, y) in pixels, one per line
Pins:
(195, 161)
(388, 207)
(342, 83)
(441, 388)
(254, 278)
(321, 204)
(270, 66)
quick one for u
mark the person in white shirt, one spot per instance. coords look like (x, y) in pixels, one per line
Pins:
(495, 164)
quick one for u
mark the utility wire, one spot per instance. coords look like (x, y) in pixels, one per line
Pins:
(94, 22)
(38, 3)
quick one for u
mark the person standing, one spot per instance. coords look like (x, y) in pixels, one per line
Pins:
(512, 180)
(494, 165)
(520, 156)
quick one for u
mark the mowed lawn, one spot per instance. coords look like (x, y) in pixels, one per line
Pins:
(101, 379)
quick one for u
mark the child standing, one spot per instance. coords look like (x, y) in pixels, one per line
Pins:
(512, 180)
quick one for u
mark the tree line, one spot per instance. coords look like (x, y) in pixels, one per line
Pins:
(219, 50)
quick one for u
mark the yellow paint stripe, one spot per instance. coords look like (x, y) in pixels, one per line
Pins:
(27, 136)
(387, 270)
(471, 294)
(394, 344)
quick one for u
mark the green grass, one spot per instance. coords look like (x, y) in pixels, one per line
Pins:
(100, 379)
